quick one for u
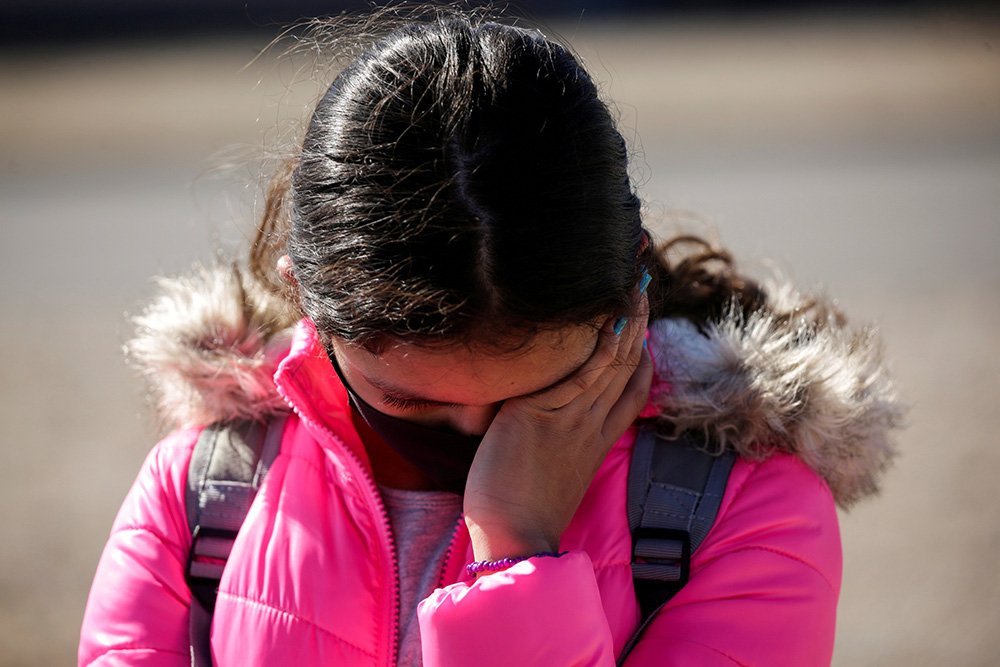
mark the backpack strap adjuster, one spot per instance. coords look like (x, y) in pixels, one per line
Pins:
(210, 548)
(661, 554)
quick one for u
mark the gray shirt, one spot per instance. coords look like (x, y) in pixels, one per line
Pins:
(423, 525)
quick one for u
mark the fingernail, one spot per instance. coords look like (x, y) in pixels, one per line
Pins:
(644, 282)
(619, 325)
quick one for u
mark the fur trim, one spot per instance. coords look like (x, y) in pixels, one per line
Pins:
(792, 376)
(813, 388)
(209, 346)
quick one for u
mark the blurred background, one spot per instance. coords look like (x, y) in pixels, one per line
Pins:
(853, 146)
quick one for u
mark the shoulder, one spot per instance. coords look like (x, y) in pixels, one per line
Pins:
(764, 584)
(138, 603)
(783, 509)
(155, 503)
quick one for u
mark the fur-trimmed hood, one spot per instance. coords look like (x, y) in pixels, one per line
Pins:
(210, 344)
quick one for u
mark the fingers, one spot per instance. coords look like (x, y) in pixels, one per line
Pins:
(601, 359)
(607, 370)
(632, 399)
(614, 374)
(626, 364)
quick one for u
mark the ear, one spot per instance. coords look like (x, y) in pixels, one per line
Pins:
(643, 243)
(286, 270)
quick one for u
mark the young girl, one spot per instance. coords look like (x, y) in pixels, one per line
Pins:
(454, 304)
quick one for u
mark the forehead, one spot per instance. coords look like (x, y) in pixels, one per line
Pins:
(469, 375)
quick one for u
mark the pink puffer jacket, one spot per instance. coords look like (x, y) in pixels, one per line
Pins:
(311, 578)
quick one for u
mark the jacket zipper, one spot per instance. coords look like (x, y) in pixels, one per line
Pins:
(451, 550)
(382, 513)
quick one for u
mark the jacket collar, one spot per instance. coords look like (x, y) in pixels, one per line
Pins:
(307, 381)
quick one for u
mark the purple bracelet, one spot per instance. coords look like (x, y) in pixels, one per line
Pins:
(480, 566)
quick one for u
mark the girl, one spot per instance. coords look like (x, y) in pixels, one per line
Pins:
(453, 301)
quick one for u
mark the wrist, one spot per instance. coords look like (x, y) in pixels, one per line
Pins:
(490, 543)
(479, 567)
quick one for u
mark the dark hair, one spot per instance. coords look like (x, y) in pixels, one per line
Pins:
(462, 180)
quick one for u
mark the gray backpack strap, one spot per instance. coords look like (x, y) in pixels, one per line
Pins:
(675, 489)
(227, 467)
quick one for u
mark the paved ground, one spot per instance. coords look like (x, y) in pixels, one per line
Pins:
(863, 155)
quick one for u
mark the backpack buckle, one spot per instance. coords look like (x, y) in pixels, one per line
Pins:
(661, 554)
(210, 548)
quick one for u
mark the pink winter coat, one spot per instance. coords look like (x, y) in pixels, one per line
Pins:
(311, 579)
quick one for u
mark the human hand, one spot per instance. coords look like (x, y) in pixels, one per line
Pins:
(542, 450)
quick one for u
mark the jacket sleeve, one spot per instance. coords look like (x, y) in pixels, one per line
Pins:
(542, 611)
(139, 605)
(763, 591)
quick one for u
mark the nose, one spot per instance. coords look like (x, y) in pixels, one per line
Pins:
(472, 419)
